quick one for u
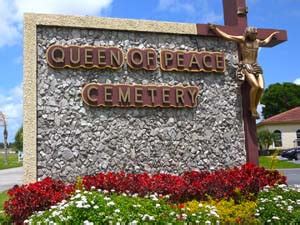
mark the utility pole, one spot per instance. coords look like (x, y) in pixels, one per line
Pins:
(5, 135)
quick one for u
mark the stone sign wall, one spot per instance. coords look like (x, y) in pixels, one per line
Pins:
(74, 139)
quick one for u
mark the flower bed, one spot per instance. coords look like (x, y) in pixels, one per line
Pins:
(277, 205)
(98, 207)
(235, 188)
(247, 179)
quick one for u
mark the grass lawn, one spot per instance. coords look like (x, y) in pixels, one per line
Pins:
(12, 161)
(3, 218)
(266, 162)
(3, 198)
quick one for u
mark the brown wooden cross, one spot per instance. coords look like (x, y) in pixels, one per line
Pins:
(235, 18)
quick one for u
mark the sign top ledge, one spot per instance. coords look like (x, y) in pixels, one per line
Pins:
(92, 22)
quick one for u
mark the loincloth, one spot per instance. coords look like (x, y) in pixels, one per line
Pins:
(254, 69)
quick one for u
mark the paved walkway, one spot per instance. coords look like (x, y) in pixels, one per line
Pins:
(10, 177)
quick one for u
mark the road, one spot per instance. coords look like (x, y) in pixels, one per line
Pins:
(293, 175)
(10, 177)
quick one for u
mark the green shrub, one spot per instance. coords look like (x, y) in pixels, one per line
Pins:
(229, 211)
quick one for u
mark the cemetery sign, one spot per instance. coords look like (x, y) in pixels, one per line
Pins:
(103, 94)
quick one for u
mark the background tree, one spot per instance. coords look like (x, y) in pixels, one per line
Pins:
(279, 98)
(265, 139)
(19, 139)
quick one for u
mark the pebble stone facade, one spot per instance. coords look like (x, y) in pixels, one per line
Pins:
(74, 139)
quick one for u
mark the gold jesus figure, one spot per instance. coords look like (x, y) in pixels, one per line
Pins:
(249, 69)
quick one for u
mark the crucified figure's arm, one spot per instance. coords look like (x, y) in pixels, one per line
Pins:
(268, 39)
(225, 35)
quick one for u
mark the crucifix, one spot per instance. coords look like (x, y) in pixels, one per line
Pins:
(249, 40)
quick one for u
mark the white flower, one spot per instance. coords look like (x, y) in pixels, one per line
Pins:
(279, 197)
(117, 210)
(93, 188)
(256, 214)
(172, 213)
(56, 213)
(275, 218)
(147, 217)
(96, 207)
(111, 203)
(86, 206)
(107, 198)
(207, 222)
(184, 216)
(214, 213)
(86, 222)
(157, 205)
(153, 197)
(134, 222)
(290, 208)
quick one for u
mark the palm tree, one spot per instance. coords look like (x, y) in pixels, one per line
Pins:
(265, 139)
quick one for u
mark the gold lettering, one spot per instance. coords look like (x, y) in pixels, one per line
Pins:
(150, 57)
(166, 95)
(115, 58)
(168, 58)
(193, 93)
(88, 56)
(205, 62)
(101, 57)
(61, 57)
(124, 97)
(220, 62)
(179, 96)
(180, 59)
(72, 60)
(138, 95)
(107, 94)
(140, 56)
(89, 90)
(152, 93)
(194, 61)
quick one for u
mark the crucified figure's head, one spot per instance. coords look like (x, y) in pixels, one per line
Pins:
(250, 33)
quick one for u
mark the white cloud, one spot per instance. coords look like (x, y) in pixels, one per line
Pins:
(11, 104)
(297, 81)
(11, 13)
(199, 10)
(176, 6)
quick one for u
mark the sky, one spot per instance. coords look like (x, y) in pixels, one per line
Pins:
(280, 63)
